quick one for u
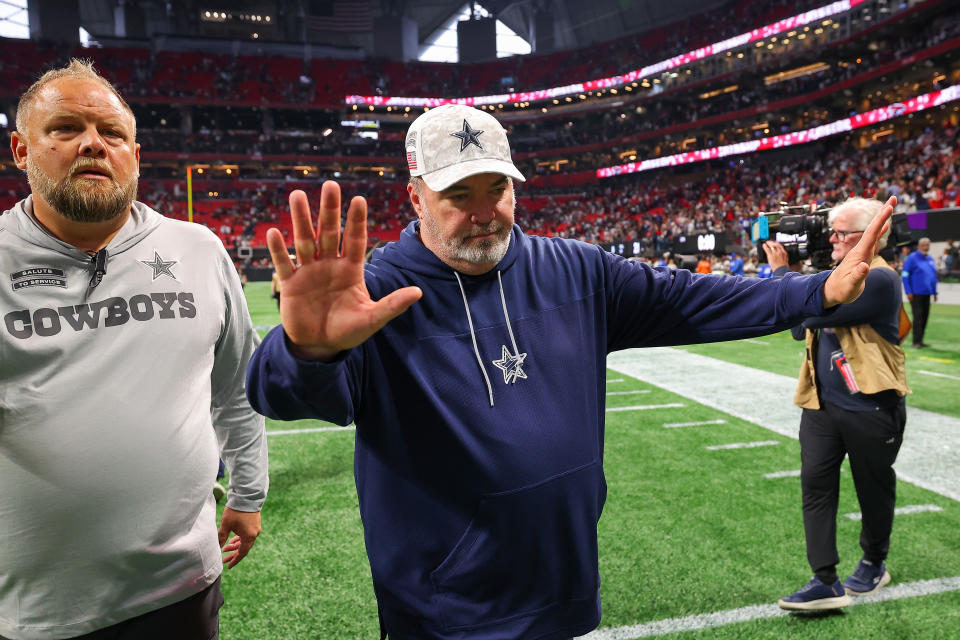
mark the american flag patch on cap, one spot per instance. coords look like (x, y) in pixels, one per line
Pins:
(412, 160)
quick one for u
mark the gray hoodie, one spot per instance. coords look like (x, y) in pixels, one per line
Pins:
(120, 385)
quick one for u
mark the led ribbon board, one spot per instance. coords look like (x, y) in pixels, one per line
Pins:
(761, 33)
(895, 110)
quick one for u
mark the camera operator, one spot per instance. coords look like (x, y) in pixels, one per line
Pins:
(851, 388)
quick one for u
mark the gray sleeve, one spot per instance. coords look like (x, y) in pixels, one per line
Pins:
(240, 430)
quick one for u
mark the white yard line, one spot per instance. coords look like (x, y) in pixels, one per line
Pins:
(934, 373)
(743, 445)
(790, 473)
(763, 611)
(752, 341)
(627, 393)
(672, 425)
(929, 457)
(641, 407)
(289, 432)
(614, 380)
(900, 511)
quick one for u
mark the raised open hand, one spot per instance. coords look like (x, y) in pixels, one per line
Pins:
(846, 282)
(325, 307)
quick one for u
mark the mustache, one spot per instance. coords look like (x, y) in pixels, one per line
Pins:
(86, 164)
(484, 229)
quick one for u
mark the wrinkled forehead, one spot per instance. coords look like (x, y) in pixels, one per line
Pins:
(83, 97)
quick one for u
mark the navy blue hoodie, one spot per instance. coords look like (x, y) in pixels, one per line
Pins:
(480, 417)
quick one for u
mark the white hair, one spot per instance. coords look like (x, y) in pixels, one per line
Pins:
(862, 211)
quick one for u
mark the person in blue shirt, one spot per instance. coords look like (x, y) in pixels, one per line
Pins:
(472, 359)
(920, 282)
(736, 264)
(764, 270)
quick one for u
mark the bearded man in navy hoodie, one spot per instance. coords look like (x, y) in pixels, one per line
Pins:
(472, 359)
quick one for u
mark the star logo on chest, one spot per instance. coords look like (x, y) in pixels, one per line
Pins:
(160, 266)
(468, 136)
(511, 365)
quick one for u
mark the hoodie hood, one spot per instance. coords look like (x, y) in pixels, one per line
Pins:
(20, 222)
(410, 254)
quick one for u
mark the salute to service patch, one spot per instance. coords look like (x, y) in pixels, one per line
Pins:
(38, 277)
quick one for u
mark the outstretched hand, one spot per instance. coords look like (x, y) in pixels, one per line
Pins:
(846, 282)
(325, 307)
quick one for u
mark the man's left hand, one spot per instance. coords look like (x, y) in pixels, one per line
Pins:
(846, 282)
(247, 527)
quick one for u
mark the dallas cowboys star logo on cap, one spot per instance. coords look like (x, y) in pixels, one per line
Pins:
(160, 266)
(468, 136)
(511, 365)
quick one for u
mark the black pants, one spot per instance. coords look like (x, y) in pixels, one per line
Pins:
(872, 439)
(920, 305)
(195, 618)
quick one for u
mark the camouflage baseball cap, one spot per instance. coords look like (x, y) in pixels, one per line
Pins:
(449, 143)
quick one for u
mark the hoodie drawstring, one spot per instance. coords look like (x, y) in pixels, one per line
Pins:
(473, 337)
(503, 301)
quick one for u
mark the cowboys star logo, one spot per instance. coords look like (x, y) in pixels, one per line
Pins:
(511, 365)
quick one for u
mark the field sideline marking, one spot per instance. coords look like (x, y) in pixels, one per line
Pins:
(641, 407)
(791, 473)
(752, 341)
(899, 511)
(287, 432)
(939, 375)
(941, 360)
(763, 611)
(708, 381)
(742, 445)
(614, 380)
(671, 425)
(627, 393)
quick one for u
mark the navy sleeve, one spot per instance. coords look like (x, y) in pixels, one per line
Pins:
(876, 305)
(650, 307)
(282, 387)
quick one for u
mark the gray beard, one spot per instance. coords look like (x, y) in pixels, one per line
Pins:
(488, 251)
(74, 202)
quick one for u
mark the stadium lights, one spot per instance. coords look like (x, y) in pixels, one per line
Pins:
(326, 132)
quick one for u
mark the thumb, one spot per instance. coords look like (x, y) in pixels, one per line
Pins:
(392, 305)
(861, 270)
(223, 532)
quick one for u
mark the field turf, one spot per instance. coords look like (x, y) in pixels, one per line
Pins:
(686, 531)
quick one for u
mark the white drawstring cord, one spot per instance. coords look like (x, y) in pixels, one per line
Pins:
(476, 350)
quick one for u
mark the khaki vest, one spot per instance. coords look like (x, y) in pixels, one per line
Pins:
(877, 365)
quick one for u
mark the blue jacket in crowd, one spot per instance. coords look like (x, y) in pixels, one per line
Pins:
(480, 421)
(919, 274)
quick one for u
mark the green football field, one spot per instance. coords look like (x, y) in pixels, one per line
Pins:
(694, 543)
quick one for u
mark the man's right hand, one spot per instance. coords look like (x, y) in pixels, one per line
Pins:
(325, 307)
(777, 256)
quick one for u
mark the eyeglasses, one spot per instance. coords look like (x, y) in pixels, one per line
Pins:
(843, 235)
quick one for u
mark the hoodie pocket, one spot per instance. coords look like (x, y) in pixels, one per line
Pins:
(525, 551)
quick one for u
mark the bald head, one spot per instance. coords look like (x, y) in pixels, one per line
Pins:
(76, 70)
